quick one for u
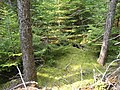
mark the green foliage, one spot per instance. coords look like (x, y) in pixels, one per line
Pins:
(60, 18)
(54, 52)
(9, 37)
(114, 49)
(56, 24)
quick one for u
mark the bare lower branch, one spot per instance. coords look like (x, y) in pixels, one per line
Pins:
(108, 68)
(26, 83)
(21, 78)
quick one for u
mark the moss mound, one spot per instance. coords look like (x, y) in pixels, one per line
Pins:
(73, 69)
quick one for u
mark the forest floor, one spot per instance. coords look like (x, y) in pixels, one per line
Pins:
(74, 69)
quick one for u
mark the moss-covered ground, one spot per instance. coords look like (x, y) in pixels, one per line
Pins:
(73, 69)
(68, 68)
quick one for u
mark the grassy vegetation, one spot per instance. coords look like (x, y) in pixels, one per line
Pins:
(66, 68)
(72, 69)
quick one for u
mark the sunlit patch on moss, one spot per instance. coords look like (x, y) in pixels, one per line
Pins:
(73, 69)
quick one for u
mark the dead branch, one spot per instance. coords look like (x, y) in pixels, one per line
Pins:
(26, 84)
(108, 68)
(118, 43)
(21, 77)
(115, 37)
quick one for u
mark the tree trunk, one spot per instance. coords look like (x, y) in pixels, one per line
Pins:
(108, 27)
(9, 2)
(26, 40)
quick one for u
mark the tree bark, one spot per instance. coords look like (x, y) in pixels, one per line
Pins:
(25, 30)
(9, 2)
(108, 27)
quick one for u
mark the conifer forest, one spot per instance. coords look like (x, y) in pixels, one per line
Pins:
(59, 44)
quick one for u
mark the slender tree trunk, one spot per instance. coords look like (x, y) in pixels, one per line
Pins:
(26, 40)
(108, 27)
(9, 2)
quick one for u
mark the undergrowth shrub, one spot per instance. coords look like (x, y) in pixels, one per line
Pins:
(10, 55)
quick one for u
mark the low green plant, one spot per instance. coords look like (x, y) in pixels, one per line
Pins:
(71, 68)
